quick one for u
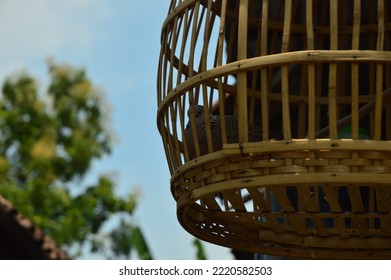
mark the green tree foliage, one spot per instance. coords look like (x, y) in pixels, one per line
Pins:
(47, 144)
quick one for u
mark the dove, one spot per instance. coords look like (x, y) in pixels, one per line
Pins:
(232, 131)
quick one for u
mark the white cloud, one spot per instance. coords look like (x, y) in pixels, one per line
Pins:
(35, 29)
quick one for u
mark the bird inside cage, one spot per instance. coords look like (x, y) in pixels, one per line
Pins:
(232, 131)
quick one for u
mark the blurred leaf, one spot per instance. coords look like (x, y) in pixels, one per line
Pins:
(200, 250)
(140, 244)
(44, 148)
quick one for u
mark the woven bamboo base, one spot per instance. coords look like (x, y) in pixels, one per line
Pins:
(237, 198)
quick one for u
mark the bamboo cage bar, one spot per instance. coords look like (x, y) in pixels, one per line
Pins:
(276, 123)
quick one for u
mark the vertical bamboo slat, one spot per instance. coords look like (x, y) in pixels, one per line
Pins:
(311, 71)
(355, 68)
(379, 72)
(242, 76)
(284, 71)
(333, 70)
(264, 71)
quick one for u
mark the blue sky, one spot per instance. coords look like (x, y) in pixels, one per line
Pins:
(118, 43)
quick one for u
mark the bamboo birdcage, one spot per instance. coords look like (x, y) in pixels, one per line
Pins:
(313, 180)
